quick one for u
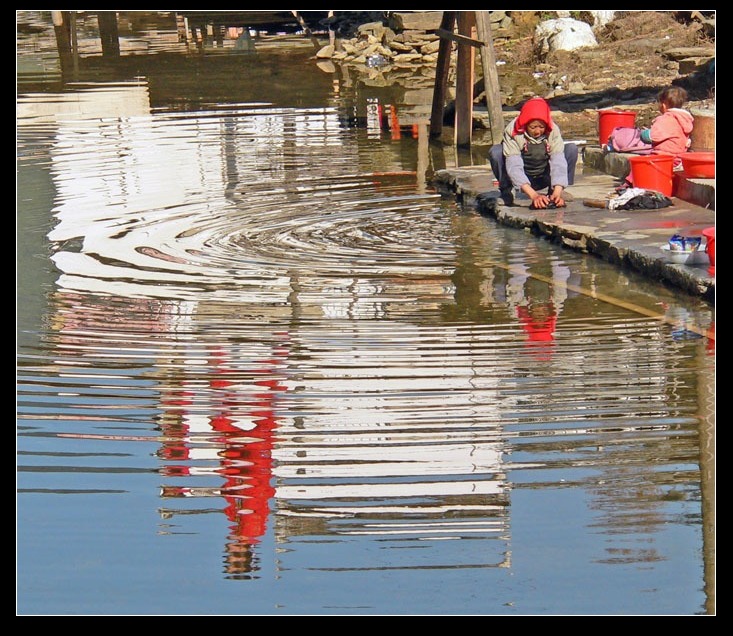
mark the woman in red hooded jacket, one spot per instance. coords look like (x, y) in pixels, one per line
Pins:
(533, 156)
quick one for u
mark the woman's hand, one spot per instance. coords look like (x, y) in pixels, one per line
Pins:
(538, 200)
(556, 197)
(541, 201)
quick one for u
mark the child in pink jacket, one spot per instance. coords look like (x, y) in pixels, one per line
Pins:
(670, 132)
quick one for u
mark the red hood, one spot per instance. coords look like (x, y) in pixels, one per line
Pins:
(535, 108)
(684, 118)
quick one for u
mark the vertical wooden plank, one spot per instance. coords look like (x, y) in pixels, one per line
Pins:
(441, 76)
(491, 76)
(464, 82)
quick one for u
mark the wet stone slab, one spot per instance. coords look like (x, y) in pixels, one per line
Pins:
(627, 238)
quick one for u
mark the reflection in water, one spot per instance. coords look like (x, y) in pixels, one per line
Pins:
(393, 443)
(265, 311)
(236, 437)
(537, 301)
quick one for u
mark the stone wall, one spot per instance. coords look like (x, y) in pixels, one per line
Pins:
(404, 40)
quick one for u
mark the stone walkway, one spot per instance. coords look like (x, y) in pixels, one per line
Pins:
(628, 238)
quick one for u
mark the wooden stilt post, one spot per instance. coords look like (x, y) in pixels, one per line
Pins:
(307, 31)
(422, 156)
(62, 29)
(74, 42)
(491, 76)
(441, 75)
(464, 81)
(331, 33)
(109, 33)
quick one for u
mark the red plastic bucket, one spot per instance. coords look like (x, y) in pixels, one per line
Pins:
(699, 165)
(709, 234)
(610, 119)
(652, 172)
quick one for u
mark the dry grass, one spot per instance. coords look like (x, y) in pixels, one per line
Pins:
(630, 51)
(630, 33)
(634, 25)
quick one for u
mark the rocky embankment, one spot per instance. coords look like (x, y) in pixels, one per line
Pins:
(632, 54)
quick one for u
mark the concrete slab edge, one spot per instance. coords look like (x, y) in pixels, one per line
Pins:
(463, 186)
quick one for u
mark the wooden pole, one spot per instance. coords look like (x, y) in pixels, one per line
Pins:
(109, 33)
(441, 76)
(74, 42)
(306, 30)
(62, 29)
(422, 156)
(331, 33)
(491, 76)
(464, 82)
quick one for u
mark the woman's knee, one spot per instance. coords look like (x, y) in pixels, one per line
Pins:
(496, 152)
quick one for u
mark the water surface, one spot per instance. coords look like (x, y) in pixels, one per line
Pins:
(264, 368)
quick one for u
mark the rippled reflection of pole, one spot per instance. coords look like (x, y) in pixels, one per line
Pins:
(706, 391)
(62, 29)
(422, 156)
(109, 33)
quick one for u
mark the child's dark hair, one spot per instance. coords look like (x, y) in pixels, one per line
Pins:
(672, 96)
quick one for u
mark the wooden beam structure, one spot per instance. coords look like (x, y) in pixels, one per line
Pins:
(457, 37)
(447, 24)
(474, 32)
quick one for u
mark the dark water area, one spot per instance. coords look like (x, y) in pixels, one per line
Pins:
(264, 368)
